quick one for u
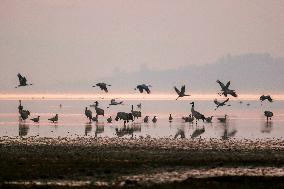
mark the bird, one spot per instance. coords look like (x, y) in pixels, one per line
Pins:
(268, 114)
(103, 86)
(196, 114)
(136, 114)
(265, 97)
(181, 92)
(109, 120)
(88, 114)
(114, 103)
(36, 119)
(170, 118)
(225, 89)
(24, 114)
(154, 120)
(22, 81)
(146, 119)
(139, 105)
(95, 118)
(223, 119)
(20, 107)
(209, 119)
(54, 119)
(188, 119)
(99, 111)
(143, 87)
(220, 103)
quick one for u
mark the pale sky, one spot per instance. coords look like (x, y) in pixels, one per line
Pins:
(63, 40)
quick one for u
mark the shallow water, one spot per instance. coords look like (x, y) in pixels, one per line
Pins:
(243, 122)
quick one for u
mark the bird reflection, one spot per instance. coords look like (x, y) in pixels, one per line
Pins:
(100, 128)
(88, 128)
(197, 132)
(267, 127)
(228, 134)
(180, 132)
(23, 129)
(128, 130)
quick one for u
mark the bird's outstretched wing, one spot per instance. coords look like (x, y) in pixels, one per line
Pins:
(177, 91)
(226, 100)
(221, 84)
(228, 84)
(216, 102)
(105, 89)
(140, 89)
(182, 89)
(147, 90)
(22, 79)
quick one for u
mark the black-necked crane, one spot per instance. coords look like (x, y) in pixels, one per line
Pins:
(170, 118)
(268, 114)
(54, 119)
(218, 104)
(22, 81)
(181, 92)
(143, 87)
(265, 97)
(225, 89)
(223, 119)
(103, 86)
(209, 119)
(99, 111)
(35, 119)
(196, 114)
(154, 120)
(146, 119)
(88, 114)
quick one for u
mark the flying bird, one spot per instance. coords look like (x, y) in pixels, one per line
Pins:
(265, 97)
(114, 103)
(143, 87)
(22, 81)
(220, 103)
(181, 92)
(103, 86)
(225, 89)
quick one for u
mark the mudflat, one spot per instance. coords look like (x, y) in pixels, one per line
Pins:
(87, 162)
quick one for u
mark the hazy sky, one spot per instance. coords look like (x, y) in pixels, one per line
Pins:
(80, 39)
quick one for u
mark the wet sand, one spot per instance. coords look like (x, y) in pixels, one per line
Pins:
(87, 162)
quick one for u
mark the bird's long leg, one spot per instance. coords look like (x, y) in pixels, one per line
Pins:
(177, 97)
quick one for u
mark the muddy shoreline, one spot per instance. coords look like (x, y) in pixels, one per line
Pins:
(143, 162)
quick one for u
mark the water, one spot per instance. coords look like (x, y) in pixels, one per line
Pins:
(244, 122)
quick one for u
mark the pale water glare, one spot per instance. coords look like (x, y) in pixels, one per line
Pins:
(244, 121)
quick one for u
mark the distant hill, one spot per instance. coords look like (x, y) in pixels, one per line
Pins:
(247, 73)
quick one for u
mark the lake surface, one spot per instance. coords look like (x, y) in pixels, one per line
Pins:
(244, 121)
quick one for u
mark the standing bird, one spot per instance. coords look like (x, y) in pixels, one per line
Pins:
(268, 115)
(181, 93)
(225, 89)
(196, 114)
(109, 120)
(103, 86)
(223, 119)
(88, 114)
(99, 111)
(146, 119)
(209, 119)
(22, 81)
(154, 120)
(25, 114)
(170, 118)
(265, 97)
(220, 103)
(20, 107)
(36, 119)
(143, 87)
(54, 119)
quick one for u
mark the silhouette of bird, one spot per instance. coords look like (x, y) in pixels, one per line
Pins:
(20, 107)
(24, 114)
(220, 103)
(268, 115)
(154, 120)
(36, 119)
(22, 81)
(265, 97)
(54, 119)
(146, 119)
(223, 119)
(225, 89)
(209, 119)
(109, 120)
(95, 118)
(88, 114)
(181, 93)
(139, 105)
(114, 103)
(143, 87)
(99, 111)
(196, 114)
(103, 86)
(188, 119)
(170, 118)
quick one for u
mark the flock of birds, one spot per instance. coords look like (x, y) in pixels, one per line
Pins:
(134, 114)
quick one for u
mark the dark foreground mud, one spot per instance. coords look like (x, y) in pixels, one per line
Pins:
(142, 162)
